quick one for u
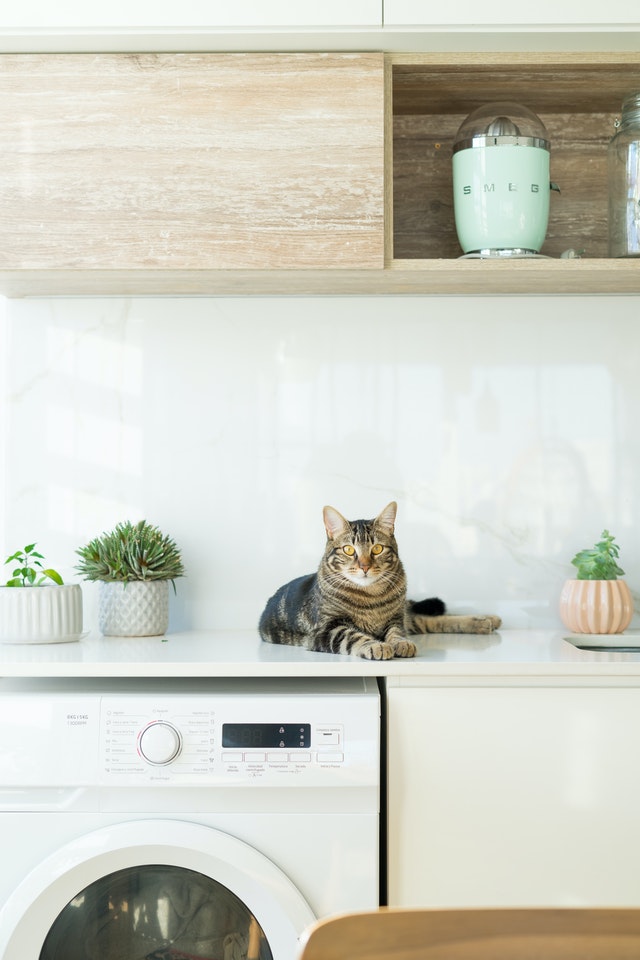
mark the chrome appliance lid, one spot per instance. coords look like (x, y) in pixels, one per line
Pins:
(501, 123)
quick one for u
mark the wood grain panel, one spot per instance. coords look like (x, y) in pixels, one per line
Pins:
(556, 82)
(191, 161)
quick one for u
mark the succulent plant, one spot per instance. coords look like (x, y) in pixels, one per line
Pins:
(131, 552)
(600, 561)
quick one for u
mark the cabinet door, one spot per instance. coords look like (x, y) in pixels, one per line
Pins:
(469, 12)
(514, 796)
(198, 14)
(201, 161)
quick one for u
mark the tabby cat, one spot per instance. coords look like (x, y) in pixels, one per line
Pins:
(356, 602)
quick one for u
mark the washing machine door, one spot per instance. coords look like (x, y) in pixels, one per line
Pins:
(154, 890)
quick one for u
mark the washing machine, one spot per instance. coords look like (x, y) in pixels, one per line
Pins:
(184, 819)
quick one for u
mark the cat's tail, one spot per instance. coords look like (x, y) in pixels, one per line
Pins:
(433, 607)
(430, 616)
(418, 612)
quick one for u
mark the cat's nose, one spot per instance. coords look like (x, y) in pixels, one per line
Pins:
(364, 566)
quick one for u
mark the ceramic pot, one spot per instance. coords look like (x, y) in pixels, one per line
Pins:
(596, 606)
(136, 608)
(45, 614)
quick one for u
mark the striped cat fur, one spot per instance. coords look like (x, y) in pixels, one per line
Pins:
(356, 602)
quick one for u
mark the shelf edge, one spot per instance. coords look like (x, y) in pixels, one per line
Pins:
(400, 277)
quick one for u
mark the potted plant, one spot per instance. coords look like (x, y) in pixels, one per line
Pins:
(133, 564)
(36, 606)
(597, 601)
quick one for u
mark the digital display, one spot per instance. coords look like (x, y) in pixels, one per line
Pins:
(266, 735)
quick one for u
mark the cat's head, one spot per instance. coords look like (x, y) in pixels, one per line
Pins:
(361, 550)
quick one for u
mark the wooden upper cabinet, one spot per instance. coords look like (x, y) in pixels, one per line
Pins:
(191, 161)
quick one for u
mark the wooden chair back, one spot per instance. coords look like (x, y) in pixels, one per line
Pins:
(477, 934)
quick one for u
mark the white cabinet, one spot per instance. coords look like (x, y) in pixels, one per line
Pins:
(494, 12)
(188, 14)
(513, 795)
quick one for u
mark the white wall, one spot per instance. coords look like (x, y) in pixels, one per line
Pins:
(506, 428)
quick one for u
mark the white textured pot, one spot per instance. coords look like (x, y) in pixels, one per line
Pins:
(136, 608)
(45, 614)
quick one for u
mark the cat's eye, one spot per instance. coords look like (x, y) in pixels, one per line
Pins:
(377, 549)
(349, 549)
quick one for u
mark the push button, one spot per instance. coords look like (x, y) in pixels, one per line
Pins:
(329, 737)
(330, 757)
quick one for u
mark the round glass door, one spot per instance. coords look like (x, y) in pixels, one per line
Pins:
(154, 890)
(156, 912)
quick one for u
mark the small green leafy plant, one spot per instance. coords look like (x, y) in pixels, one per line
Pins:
(131, 552)
(601, 561)
(30, 572)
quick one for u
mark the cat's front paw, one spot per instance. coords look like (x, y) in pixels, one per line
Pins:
(485, 624)
(377, 650)
(404, 648)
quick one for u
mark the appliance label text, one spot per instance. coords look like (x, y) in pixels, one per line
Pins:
(491, 188)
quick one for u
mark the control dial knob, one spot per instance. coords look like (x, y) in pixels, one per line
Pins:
(159, 743)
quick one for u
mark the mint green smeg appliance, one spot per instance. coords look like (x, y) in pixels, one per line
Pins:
(501, 181)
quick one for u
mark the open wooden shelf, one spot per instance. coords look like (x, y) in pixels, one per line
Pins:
(576, 95)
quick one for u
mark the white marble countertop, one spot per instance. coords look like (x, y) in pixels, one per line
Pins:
(508, 654)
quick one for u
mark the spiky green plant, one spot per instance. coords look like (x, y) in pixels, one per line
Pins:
(600, 562)
(131, 552)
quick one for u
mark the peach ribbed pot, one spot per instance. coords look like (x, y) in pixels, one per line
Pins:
(596, 606)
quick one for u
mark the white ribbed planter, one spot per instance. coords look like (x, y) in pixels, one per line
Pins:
(596, 606)
(45, 614)
(137, 608)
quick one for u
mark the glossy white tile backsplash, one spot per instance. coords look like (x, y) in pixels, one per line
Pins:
(506, 429)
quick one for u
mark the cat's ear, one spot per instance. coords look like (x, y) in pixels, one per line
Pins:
(334, 522)
(387, 518)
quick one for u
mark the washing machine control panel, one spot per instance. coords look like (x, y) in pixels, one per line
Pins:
(184, 733)
(227, 741)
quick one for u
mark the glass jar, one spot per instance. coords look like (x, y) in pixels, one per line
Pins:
(623, 162)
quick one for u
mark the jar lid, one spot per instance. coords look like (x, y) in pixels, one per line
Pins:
(499, 123)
